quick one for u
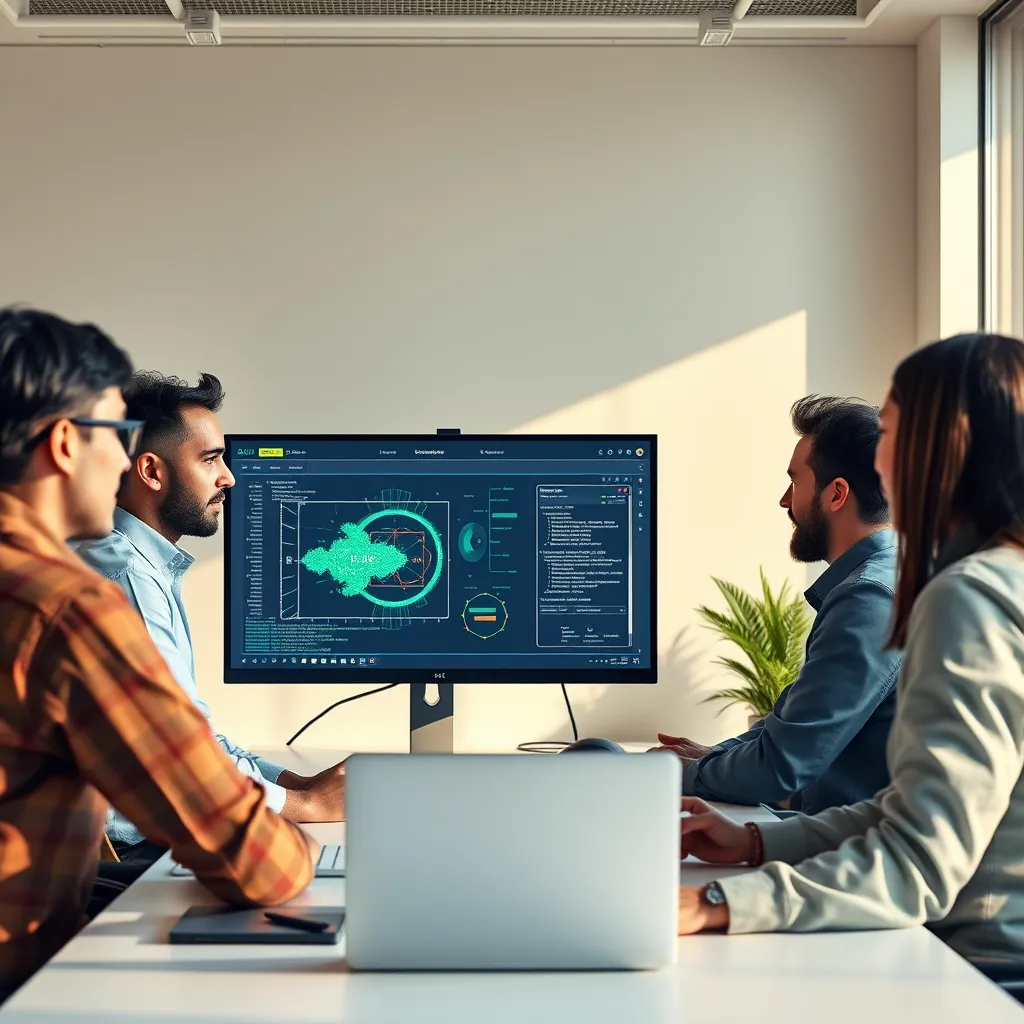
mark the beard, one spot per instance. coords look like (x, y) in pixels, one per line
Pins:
(811, 536)
(188, 515)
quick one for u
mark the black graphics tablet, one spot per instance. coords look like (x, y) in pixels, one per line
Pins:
(234, 926)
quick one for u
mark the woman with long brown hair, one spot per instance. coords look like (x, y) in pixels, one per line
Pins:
(944, 842)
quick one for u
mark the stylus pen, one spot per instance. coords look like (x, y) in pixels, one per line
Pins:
(302, 924)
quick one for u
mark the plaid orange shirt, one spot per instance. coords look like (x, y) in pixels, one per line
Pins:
(89, 713)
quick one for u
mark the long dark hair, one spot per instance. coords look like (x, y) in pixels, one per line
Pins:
(959, 457)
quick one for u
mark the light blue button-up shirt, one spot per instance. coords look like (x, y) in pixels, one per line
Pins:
(149, 569)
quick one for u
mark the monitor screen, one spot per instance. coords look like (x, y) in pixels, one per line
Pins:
(507, 558)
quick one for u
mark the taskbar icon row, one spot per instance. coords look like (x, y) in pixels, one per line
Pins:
(318, 662)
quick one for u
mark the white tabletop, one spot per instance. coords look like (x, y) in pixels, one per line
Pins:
(121, 969)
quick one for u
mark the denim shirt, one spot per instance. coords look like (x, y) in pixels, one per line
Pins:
(824, 743)
(149, 569)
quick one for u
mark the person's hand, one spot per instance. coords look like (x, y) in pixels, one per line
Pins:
(696, 914)
(686, 750)
(319, 797)
(711, 836)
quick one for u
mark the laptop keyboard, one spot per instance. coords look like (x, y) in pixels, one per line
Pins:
(330, 865)
(332, 861)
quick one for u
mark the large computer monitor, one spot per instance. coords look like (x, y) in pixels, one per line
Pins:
(439, 558)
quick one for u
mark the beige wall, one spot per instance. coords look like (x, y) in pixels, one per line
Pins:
(566, 239)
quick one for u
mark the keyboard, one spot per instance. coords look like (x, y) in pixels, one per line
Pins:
(330, 865)
(332, 861)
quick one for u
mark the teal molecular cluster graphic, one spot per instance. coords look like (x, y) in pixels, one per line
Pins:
(365, 561)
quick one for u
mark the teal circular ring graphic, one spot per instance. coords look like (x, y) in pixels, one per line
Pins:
(434, 536)
(473, 542)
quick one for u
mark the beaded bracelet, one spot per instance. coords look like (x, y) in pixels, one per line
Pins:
(757, 848)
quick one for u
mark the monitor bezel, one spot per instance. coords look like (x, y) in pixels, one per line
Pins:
(359, 676)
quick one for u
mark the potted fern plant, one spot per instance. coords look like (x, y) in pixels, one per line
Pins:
(770, 632)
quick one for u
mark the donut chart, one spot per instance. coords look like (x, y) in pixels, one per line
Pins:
(485, 616)
(472, 542)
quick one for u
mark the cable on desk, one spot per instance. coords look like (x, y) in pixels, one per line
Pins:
(553, 746)
(338, 703)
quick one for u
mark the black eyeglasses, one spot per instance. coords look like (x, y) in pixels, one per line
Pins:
(129, 432)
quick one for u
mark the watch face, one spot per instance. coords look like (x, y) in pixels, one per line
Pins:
(714, 895)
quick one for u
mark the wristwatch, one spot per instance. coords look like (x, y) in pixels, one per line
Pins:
(713, 895)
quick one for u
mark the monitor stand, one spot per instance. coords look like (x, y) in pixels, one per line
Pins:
(431, 718)
(432, 705)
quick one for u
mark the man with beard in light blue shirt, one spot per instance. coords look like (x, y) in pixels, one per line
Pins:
(176, 488)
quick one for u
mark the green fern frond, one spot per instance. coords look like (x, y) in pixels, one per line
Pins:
(738, 633)
(776, 607)
(739, 669)
(747, 611)
(798, 625)
(751, 699)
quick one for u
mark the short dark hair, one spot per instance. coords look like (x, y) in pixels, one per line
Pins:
(844, 435)
(49, 368)
(159, 400)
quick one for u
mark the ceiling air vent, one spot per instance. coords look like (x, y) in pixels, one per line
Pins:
(620, 12)
(202, 28)
(714, 28)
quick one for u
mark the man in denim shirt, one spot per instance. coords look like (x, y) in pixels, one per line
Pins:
(824, 743)
(176, 487)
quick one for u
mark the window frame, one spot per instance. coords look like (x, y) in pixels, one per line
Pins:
(1001, 171)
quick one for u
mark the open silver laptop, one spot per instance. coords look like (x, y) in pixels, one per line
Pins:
(510, 862)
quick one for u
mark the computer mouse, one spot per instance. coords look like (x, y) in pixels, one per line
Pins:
(594, 743)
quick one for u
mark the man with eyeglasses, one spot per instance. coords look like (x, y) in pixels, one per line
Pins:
(176, 488)
(90, 715)
(129, 432)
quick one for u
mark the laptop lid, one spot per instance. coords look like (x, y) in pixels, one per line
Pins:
(511, 862)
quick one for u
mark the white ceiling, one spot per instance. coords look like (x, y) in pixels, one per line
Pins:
(894, 22)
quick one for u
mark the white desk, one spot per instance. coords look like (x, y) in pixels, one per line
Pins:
(121, 970)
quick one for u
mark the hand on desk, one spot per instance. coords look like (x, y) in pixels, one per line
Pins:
(686, 750)
(319, 797)
(716, 839)
(712, 836)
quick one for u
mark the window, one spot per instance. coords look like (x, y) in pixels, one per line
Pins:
(1002, 171)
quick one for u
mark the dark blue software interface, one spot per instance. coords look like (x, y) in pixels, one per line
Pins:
(512, 553)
